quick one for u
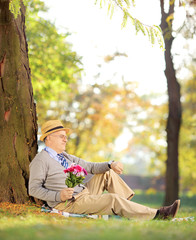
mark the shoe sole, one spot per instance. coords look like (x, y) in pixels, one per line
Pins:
(178, 205)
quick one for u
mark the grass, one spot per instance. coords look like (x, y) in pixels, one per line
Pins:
(158, 199)
(27, 222)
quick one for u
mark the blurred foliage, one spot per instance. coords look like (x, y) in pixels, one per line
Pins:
(53, 64)
(151, 191)
(142, 197)
(151, 137)
(188, 29)
(187, 149)
(96, 115)
(148, 144)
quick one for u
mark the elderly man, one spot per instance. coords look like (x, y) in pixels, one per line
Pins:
(47, 182)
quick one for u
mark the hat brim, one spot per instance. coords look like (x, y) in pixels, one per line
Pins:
(67, 130)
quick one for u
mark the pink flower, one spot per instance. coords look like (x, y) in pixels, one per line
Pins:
(78, 168)
(75, 172)
(85, 172)
(75, 176)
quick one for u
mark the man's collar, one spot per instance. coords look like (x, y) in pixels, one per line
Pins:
(51, 151)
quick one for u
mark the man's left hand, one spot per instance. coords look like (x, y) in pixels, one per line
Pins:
(117, 167)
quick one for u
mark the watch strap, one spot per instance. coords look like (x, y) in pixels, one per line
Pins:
(109, 163)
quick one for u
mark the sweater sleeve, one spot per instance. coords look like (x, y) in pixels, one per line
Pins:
(91, 167)
(38, 174)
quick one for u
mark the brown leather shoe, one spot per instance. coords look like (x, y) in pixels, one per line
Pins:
(166, 213)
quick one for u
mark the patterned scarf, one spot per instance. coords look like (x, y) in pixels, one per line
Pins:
(62, 159)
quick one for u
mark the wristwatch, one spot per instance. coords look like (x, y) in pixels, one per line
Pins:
(109, 163)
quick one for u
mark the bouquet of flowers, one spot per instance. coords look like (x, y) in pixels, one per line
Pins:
(75, 175)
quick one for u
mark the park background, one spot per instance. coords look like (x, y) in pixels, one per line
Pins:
(108, 85)
(119, 106)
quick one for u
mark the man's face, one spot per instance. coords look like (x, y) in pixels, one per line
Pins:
(57, 141)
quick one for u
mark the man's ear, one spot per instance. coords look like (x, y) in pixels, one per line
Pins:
(46, 139)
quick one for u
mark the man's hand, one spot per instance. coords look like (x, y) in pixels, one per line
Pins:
(117, 167)
(66, 194)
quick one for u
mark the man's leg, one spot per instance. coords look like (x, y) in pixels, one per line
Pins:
(111, 182)
(92, 201)
(107, 204)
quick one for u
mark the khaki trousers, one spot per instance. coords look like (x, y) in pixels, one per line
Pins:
(116, 201)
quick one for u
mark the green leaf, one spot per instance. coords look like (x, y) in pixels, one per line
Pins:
(50, 76)
(152, 36)
(124, 20)
(142, 28)
(127, 3)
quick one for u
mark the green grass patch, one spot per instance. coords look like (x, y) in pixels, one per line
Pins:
(157, 199)
(27, 222)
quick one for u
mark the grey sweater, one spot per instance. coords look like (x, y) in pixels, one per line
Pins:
(47, 178)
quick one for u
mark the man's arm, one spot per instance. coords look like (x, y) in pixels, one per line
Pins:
(94, 168)
(38, 174)
(91, 167)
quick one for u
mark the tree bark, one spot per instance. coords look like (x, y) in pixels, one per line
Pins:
(175, 111)
(18, 127)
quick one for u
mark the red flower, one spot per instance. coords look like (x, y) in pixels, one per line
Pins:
(75, 169)
(71, 169)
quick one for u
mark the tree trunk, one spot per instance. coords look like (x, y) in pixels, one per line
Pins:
(18, 128)
(175, 111)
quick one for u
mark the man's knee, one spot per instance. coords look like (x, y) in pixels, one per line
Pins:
(110, 173)
(113, 196)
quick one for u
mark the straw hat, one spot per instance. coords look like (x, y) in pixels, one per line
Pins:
(51, 127)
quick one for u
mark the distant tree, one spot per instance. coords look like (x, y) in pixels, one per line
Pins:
(175, 109)
(174, 95)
